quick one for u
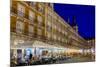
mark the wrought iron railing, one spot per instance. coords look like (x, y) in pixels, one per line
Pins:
(36, 36)
(21, 31)
(19, 13)
(27, 33)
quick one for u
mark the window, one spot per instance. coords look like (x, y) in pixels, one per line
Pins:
(40, 8)
(66, 40)
(50, 5)
(19, 26)
(59, 29)
(62, 39)
(55, 37)
(39, 32)
(21, 10)
(55, 19)
(55, 26)
(48, 35)
(33, 4)
(30, 30)
(59, 38)
(48, 26)
(49, 16)
(40, 20)
(65, 33)
(31, 15)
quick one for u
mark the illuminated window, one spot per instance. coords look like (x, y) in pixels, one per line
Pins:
(40, 20)
(62, 39)
(48, 26)
(49, 16)
(59, 38)
(39, 32)
(33, 4)
(66, 40)
(48, 35)
(30, 30)
(21, 10)
(50, 5)
(31, 15)
(55, 26)
(55, 37)
(19, 26)
(40, 8)
(59, 29)
(66, 33)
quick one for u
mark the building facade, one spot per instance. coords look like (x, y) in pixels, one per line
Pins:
(38, 22)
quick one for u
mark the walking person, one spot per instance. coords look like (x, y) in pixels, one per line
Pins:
(26, 59)
(30, 58)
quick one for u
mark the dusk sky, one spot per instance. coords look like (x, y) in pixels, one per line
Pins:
(85, 17)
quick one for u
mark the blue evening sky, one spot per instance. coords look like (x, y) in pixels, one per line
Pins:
(85, 17)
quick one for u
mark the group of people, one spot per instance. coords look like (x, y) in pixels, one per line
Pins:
(19, 60)
(31, 59)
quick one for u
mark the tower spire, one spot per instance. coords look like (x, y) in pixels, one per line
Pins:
(75, 27)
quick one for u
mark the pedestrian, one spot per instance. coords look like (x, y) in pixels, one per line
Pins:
(30, 58)
(26, 59)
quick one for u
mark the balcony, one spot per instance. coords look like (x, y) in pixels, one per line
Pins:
(22, 32)
(23, 15)
(13, 10)
(17, 12)
(31, 18)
